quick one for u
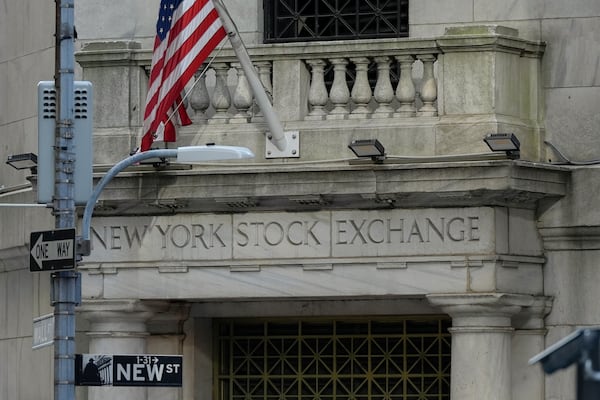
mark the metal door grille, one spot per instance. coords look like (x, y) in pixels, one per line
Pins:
(392, 359)
(305, 20)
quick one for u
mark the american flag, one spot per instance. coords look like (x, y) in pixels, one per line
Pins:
(186, 33)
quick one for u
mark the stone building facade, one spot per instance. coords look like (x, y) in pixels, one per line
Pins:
(434, 274)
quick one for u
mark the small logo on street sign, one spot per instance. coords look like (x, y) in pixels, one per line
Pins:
(52, 250)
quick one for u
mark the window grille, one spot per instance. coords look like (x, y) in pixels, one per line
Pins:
(389, 359)
(307, 20)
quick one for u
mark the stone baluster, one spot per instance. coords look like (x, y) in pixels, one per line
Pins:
(199, 98)
(428, 87)
(339, 93)
(264, 75)
(242, 97)
(384, 92)
(405, 92)
(361, 90)
(221, 98)
(317, 94)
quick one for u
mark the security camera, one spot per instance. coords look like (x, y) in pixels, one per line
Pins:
(574, 348)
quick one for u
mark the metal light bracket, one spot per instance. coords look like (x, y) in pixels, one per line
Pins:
(292, 148)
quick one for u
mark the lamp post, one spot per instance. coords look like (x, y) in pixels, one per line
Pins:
(65, 285)
(188, 154)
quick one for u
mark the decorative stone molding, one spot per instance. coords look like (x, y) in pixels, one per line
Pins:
(463, 184)
(571, 238)
(531, 317)
(120, 318)
(472, 311)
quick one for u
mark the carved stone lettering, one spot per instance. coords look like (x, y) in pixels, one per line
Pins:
(324, 234)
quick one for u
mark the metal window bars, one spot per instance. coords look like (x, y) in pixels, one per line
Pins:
(310, 20)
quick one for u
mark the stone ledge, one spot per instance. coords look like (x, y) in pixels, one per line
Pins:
(378, 263)
(571, 238)
(14, 258)
(282, 187)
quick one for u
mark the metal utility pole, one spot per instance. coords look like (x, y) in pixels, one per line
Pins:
(66, 285)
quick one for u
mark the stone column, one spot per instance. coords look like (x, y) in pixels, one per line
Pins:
(118, 327)
(481, 343)
(529, 340)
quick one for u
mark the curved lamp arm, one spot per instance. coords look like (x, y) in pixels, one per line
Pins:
(188, 154)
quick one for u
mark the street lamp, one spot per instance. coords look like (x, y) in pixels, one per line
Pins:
(188, 154)
(22, 161)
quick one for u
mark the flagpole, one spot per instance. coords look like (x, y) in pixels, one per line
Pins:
(277, 137)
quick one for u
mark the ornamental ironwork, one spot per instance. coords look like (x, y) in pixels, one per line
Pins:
(389, 359)
(309, 20)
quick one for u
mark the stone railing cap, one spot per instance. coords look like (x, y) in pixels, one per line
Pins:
(470, 30)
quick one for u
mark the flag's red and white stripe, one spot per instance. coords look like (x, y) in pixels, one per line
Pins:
(184, 40)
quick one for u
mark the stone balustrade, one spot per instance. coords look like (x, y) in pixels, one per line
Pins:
(431, 96)
(395, 83)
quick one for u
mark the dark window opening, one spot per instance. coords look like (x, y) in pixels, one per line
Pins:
(309, 20)
(361, 359)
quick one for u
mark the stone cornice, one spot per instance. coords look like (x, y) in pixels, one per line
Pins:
(289, 187)
(571, 238)
(489, 37)
(469, 38)
(111, 54)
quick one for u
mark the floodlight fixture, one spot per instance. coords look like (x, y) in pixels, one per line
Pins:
(506, 142)
(23, 161)
(371, 148)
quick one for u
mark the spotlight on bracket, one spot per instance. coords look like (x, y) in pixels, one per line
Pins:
(23, 161)
(368, 148)
(506, 142)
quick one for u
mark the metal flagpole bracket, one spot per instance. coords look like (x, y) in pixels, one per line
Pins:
(291, 150)
(279, 144)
